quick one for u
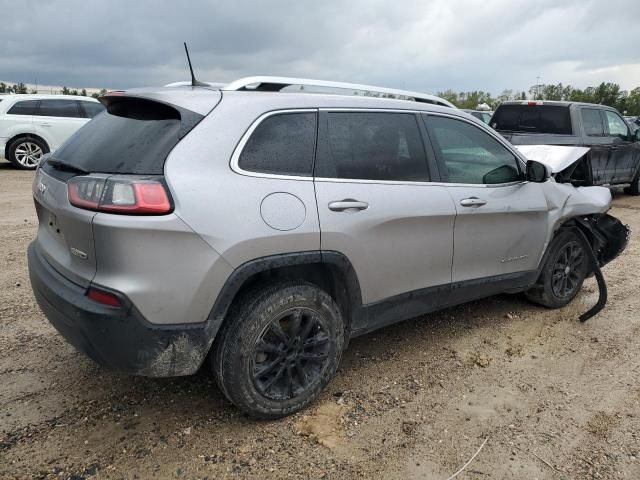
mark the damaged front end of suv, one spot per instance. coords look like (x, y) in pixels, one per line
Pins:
(582, 209)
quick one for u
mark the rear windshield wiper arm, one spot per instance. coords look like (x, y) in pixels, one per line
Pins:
(67, 167)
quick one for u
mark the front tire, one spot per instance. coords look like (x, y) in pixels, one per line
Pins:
(278, 349)
(564, 271)
(25, 153)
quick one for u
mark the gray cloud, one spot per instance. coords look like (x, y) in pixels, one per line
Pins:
(415, 44)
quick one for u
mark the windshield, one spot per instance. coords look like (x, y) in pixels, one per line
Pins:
(133, 136)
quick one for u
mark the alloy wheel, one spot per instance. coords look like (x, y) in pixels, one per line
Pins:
(568, 269)
(291, 354)
(28, 154)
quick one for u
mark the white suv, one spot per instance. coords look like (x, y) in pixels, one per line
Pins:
(32, 125)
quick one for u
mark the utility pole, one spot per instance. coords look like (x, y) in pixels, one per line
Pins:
(537, 88)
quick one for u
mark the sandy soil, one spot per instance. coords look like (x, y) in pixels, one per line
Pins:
(556, 399)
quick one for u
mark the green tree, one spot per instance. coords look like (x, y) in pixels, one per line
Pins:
(3, 87)
(73, 92)
(449, 95)
(65, 91)
(102, 92)
(552, 92)
(633, 102)
(20, 88)
(83, 92)
(607, 94)
(505, 96)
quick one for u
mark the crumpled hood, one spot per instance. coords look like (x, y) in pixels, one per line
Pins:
(555, 157)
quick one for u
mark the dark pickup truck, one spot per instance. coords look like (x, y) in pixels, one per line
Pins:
(614, 155)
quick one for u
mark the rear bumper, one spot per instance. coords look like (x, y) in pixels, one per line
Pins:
(117, 338)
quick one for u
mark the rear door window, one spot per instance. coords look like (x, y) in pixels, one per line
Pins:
(60, 108)
(134, 136)
(592, 121)
(555, 119)
(282, 144)
(26, 107)
(372, 146)
(469, 154)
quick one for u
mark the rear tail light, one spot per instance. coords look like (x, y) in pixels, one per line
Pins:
(127, 195)
(103, 297)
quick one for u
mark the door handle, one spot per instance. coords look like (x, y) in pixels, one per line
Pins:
(472, 202)
(348, 205)
(45, 124)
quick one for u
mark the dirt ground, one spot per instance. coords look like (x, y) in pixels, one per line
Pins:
(553, 398)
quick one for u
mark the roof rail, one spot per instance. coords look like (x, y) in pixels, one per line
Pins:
(275, 84)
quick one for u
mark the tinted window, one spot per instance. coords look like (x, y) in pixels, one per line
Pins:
(373, 146)
(533, 118)
(59, 108)
(592, 122)
(617, 126)
(27, 107)
(471, 155)
(132, 136)
(282, 144)
(91, 109)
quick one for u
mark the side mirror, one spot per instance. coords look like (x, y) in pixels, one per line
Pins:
(635, 136)
(537, 172)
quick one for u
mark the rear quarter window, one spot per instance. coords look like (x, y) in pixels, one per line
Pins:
(282, 144)
(91, 109)
(555, 119)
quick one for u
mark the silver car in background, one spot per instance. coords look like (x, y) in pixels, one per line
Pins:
(260, 230)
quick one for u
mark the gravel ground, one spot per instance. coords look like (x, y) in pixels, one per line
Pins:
(555, 399)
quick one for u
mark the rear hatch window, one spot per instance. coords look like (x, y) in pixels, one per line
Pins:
(554, 119)
(133, 136)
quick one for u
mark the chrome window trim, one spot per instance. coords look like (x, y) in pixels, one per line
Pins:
(235, 157)
(401, 182)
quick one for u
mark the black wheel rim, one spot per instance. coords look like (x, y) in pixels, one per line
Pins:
(290, 354)
(568, 270)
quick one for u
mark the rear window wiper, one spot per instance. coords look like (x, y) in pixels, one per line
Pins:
(65, 167)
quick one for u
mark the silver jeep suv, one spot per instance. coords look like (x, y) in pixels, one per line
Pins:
(260, 228)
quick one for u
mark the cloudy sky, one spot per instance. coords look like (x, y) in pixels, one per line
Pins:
(426, 45)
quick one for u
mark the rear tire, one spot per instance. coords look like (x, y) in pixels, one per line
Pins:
(564, 271)
(25, 153)
(278, 349)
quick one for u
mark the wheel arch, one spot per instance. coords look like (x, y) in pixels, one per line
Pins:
(18, 136)
(331, 271)
(606, 235)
